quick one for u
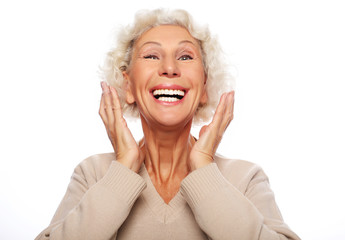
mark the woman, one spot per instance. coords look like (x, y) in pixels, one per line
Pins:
(169, 185)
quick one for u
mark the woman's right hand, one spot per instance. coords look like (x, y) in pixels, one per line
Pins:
(126, 149)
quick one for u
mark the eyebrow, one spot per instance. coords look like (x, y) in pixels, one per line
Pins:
(157, 43)
(186, 41)
(149, 42)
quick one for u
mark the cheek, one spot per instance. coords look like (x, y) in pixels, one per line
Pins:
(141, 73)
(196, 74)
(136, 79)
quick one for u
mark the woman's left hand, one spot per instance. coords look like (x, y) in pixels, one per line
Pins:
(210, 135)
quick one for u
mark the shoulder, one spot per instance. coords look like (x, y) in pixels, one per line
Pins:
(93, 168)
(240, 173)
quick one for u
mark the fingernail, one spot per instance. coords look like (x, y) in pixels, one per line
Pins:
(105, 87)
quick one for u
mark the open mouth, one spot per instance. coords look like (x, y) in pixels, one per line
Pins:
(168, 95)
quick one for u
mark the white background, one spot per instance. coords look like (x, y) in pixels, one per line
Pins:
(289, 115)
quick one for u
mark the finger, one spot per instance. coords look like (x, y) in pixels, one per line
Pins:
(211, 131)
(102, 112)
(217, 118)
(223, 116)
(108, 104)
(116, 104)
(228, 111)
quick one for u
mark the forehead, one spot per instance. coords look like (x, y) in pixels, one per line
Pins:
(166, 34)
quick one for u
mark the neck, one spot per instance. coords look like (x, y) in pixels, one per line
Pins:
(167, 151)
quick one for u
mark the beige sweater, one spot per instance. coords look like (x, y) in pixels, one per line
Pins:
(228, 199)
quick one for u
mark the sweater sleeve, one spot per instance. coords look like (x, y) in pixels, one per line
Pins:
(93, 209)
(223, 212)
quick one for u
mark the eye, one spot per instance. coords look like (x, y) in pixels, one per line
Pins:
(185, 57)
(151, 56)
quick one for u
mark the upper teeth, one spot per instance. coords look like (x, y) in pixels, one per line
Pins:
(168, 92)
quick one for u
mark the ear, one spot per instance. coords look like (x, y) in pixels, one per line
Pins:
(129, 95)
(204, 96)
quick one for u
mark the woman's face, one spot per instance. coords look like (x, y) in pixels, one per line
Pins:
(166, 77)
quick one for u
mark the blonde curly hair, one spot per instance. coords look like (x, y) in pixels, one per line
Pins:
(219, 80)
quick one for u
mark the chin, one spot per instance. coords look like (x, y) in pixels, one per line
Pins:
(173, 120)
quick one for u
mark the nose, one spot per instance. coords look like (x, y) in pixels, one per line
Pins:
(169, 68)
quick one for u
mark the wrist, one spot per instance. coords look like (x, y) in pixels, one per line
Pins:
(201, 162)
(129, 164)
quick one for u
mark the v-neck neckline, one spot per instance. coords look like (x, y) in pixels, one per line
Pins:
(165, 212)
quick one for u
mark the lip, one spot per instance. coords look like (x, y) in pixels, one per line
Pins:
(170, 87)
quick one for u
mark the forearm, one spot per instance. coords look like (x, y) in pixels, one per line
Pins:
(101, 210)
(223, 212)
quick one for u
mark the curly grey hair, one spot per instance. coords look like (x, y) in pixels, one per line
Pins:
(219, 80)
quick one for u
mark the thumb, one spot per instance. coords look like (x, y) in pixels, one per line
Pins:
(203, 130)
